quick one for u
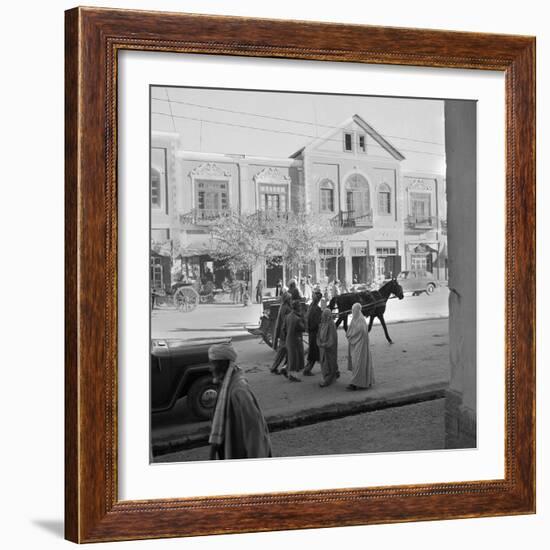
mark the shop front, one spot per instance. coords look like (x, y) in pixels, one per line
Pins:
(424, 257)
(332, 264)
(204, 268)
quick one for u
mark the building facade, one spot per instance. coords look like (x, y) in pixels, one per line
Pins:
(384, 220)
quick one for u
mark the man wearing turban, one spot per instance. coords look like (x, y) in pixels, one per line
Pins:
(239, 429)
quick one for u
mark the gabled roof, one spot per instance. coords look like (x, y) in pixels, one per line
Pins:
(369, 130)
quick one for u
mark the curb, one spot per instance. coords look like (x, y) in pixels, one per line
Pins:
(334, 411)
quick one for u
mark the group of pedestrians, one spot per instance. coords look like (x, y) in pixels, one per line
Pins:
(288, 333)
(239, 429)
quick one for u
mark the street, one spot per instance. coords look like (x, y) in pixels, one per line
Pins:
(415, 367)
(229, 320)
(408, 428)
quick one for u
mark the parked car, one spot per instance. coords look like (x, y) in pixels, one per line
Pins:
(417, 281)
(180, 369)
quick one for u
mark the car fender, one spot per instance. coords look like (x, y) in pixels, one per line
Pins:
(181, 389)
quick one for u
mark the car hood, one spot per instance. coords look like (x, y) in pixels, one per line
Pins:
(180, 347)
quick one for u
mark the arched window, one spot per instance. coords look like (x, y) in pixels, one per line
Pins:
(357, 196)
(326, 195)
(155, 189)
(384, 199)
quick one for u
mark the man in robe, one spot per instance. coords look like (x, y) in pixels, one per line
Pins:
(259, 291)
(295, 327)
(239, 429)
(327, 340)
(281, 355)
(308, 290)
(313, 319)
(286, 307)
(293, 290)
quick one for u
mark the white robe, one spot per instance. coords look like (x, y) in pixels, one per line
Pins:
(359, 354)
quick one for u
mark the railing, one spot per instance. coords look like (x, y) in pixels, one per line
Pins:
(424, 222)
(270, 215)
(200, 216)
(349, 220)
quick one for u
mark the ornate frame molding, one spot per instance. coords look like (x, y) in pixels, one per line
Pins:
(93, 39)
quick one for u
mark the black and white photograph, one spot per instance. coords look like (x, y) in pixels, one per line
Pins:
(310, 293)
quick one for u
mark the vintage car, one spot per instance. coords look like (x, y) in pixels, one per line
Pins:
(417, 281)
(180, 369)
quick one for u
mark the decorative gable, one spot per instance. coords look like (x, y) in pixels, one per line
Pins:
(355, 136)
(271, 175)
(209, 170)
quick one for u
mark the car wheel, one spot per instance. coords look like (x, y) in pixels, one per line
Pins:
(430, 288)
(202, 396)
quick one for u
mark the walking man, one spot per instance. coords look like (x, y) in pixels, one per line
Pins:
(294, 341)
(293, 290)
(308, 290)
(286, 307)
(259, 291)
(327, 340)
(313, 321)
(239, 429)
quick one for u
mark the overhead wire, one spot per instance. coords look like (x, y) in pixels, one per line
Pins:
(283, 119)
(170, 108)
(284, 132)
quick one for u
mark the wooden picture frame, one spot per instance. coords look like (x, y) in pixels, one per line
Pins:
(93, 39)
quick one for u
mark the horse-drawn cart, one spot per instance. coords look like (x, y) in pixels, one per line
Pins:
(268, 319)
(186, 296)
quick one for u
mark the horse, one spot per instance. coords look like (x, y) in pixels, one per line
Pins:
(377, 299)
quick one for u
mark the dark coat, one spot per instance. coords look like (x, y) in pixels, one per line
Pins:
(294, 342)
(284, 310)
(246, 432)
(294, 293)
(313, 321)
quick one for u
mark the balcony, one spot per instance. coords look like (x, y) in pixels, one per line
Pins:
(199, 216)
(271, 215)
(423, 223)
(348, 222)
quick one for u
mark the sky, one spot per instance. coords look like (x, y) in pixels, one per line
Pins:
(277, 124)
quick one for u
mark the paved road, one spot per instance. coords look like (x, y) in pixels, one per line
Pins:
(417, 362)
(220, 320)
(408, 428)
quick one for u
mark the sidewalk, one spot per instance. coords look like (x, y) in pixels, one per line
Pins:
(229, 320)
(414, 369)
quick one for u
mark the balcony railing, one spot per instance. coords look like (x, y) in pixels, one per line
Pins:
(421, 222)
(203, 216)
(349, 220)
(271, 215)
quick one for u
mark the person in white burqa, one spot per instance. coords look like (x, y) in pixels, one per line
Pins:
(359, 355)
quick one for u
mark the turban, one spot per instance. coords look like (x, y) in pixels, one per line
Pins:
(219, 352)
